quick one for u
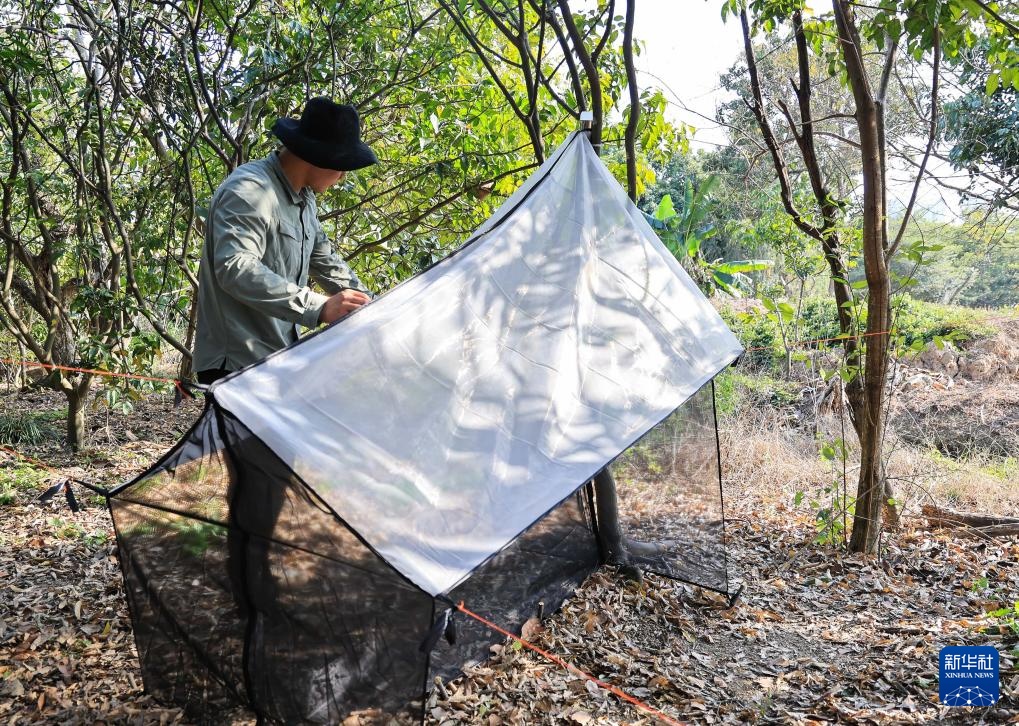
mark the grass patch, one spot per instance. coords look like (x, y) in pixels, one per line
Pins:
(977, 482)
(64, 529)
(726, 395)
(196, 537)
(16, 480)
(30, 427)
(1006, 469)
(67, 529)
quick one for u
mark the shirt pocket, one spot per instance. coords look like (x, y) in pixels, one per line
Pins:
(288, 252)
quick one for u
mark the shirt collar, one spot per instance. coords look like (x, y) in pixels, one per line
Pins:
(295, 196)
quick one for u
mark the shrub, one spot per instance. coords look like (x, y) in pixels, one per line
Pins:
(726, 393)
(919, 320)
(915, 320)
(758, 334)
(733, 388)
(820, 319)
(29, 427)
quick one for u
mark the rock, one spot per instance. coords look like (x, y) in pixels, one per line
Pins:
(1003, 349)
(978, 365)
(919, 380)
(940, 360)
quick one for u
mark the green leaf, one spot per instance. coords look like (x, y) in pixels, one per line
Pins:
(743, 266)
(725, 283)
(993, 81)
(665, 209)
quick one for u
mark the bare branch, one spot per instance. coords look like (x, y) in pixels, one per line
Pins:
(778, 159)
(994, 14)
(634, 118)
(931, 137)
(434, 208)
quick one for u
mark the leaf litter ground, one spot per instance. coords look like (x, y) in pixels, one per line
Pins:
(818, 635)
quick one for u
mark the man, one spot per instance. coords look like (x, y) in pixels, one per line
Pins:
(263, 242)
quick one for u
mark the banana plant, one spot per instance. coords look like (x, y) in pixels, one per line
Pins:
(684, 232)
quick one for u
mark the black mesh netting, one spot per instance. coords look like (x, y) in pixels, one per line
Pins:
(532, 576)
(247, 591)
(670, 495)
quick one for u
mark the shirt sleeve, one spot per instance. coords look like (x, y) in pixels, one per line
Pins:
(330, 270)
(241, 222)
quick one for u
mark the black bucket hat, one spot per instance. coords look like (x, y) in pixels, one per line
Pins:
(328, 136)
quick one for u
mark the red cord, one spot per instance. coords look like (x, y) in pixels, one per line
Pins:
(572, 668)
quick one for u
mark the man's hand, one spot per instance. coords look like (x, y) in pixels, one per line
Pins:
(340, 304)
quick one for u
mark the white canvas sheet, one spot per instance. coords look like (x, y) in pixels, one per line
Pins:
(450, 414)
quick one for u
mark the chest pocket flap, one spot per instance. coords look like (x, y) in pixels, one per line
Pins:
(286, 257)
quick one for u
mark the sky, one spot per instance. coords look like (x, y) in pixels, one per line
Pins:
(686, 48)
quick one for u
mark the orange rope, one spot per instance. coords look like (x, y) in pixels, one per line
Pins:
(177, 382)
(572, 668)
(96, 371)
(30, 460)
(34, 364)
(797, 343)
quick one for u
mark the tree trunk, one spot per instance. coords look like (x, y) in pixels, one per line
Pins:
(940, 517)
(590, 71)
(610, 534)
(827, 206)
(21, 382)
(869, 418)
(77, 397)
(952, 293)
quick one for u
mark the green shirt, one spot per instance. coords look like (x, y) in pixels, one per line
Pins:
(262, 242)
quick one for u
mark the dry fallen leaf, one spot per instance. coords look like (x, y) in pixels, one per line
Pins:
(659, 682)
(531, 629)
